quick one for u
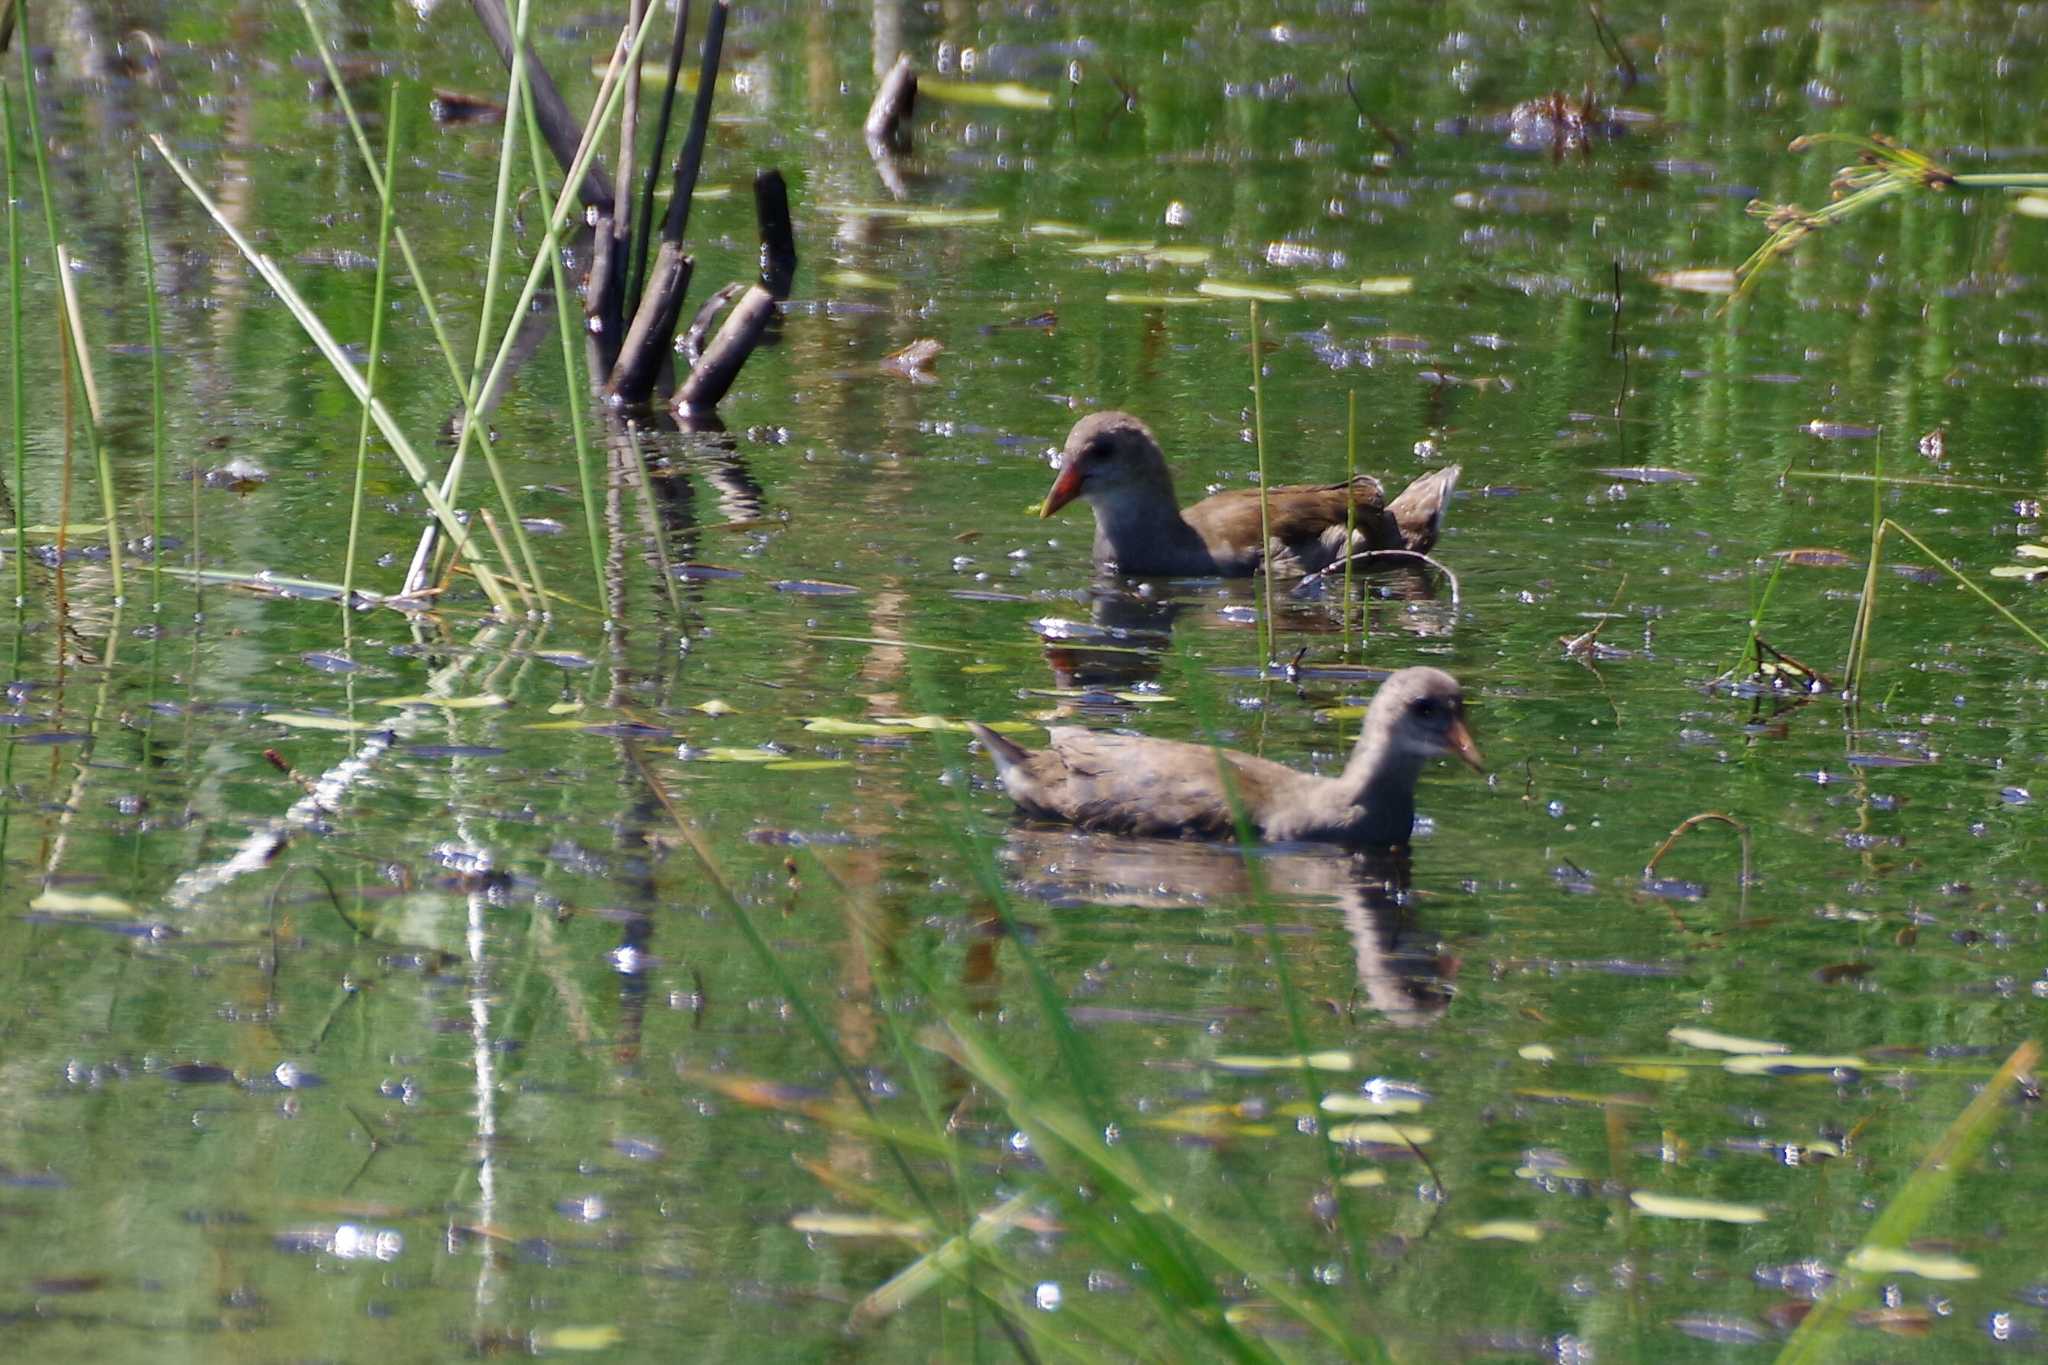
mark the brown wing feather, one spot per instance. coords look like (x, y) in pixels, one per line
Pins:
(1301, 515)
(1130, 785)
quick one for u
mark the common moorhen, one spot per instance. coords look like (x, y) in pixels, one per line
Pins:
(1114, 464)
(1128, 784)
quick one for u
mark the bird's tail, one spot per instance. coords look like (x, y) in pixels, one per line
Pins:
(1007, 753)
(1419, 511)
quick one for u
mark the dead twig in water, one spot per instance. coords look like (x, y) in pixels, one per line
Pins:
(1692, 822)
(1394, 141)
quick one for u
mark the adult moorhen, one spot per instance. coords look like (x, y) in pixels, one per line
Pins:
(1114, 464)
(1128, 784)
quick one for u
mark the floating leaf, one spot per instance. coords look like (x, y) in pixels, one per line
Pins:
(2017, 571)
(475, 703)
(1711, 1041)
(1314, 1061)
(1814, 557)
(917, 216)
(1238, 289)
(714, 707)
(819, 1223)
(1645, 1071)
(565, 708)
(2031, 551)
(69, 529)
(1180, 255)
(63, 902)
(1536, 1052)
(1502, 1230)
(990, 94)
(1695, 1210)
(1647, 474)
(1362, 1106)
(2031, 205)
(1153, 301)
(1369, 1178)
(1699, 280)
(806, 765)
(1899, 1261)
(594, 1338)
(1790, 1063)
(724, 754)
(299, 721)
(858, 279)
(1390, 1134)
(1381, 287)
(1047, 229)
(1113, 247)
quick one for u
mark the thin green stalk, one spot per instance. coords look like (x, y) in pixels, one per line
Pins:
(576, 388)
(1940, 563)
(1265, 509)
(18, 392)
(1818, 1336)
(355, 503)
(1866, 605)
(74, 334)
(156, 394)
(73, 326)
(607, 106)
(1750, 652)
(654, 531)
(330, 350)
(1350, 506)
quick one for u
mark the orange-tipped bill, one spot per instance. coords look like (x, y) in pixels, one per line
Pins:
(1460, 740)
(1064, 490)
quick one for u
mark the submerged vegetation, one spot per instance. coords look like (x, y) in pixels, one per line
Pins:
(571, 914)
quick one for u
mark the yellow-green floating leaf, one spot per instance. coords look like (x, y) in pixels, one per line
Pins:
(1360, 1106)
(1238, 289)
(1390, 1134)
(1900, 1261)
(1314, 1061)
(1536, 1052)
(1502, 1230)
(2031, 205)
(858, 279)
(1113, 248)
(806, 765)
(1368, 1179)
(475, 703)
(723, 754)
(1048, 229)
(1381, 287)
(988, 94)
(1785, 1063)
(1153, 301)
(593, 1338)
(298, 721)
(714, 707)
(1180, 255)
(1703, 280)
(58, 901)
(1710, 1041)
(820, 1223)
(1695, 1210)
(565, 708)
(916, 216)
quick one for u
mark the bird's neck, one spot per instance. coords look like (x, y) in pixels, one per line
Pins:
(1380, 781)
(1143, 524)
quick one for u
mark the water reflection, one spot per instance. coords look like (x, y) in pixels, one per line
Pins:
(1399, 969)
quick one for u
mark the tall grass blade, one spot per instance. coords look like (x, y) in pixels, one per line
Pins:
(1350, 508)
(71, 324)
(355, 502)
(156, 391)
(576, 387)
(1818, 1338)
(331, 351)
(17, 384)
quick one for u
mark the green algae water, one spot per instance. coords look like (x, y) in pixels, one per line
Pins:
(367, 1000)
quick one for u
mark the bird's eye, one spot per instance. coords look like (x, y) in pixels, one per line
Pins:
(1425, 706)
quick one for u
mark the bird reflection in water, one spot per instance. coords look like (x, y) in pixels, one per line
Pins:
(1400, 970)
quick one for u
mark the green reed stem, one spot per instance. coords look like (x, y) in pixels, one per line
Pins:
(1818, 1336)
(74, 334)
(1350, 506)
(156, 393)
(576, 386)
(18, 392)
(355, 502)
(1265, 509)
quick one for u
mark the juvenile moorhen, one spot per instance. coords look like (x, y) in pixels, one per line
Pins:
(1127, 784)
(1114, 464)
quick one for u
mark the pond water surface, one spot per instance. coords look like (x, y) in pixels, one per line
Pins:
(452, 1044)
